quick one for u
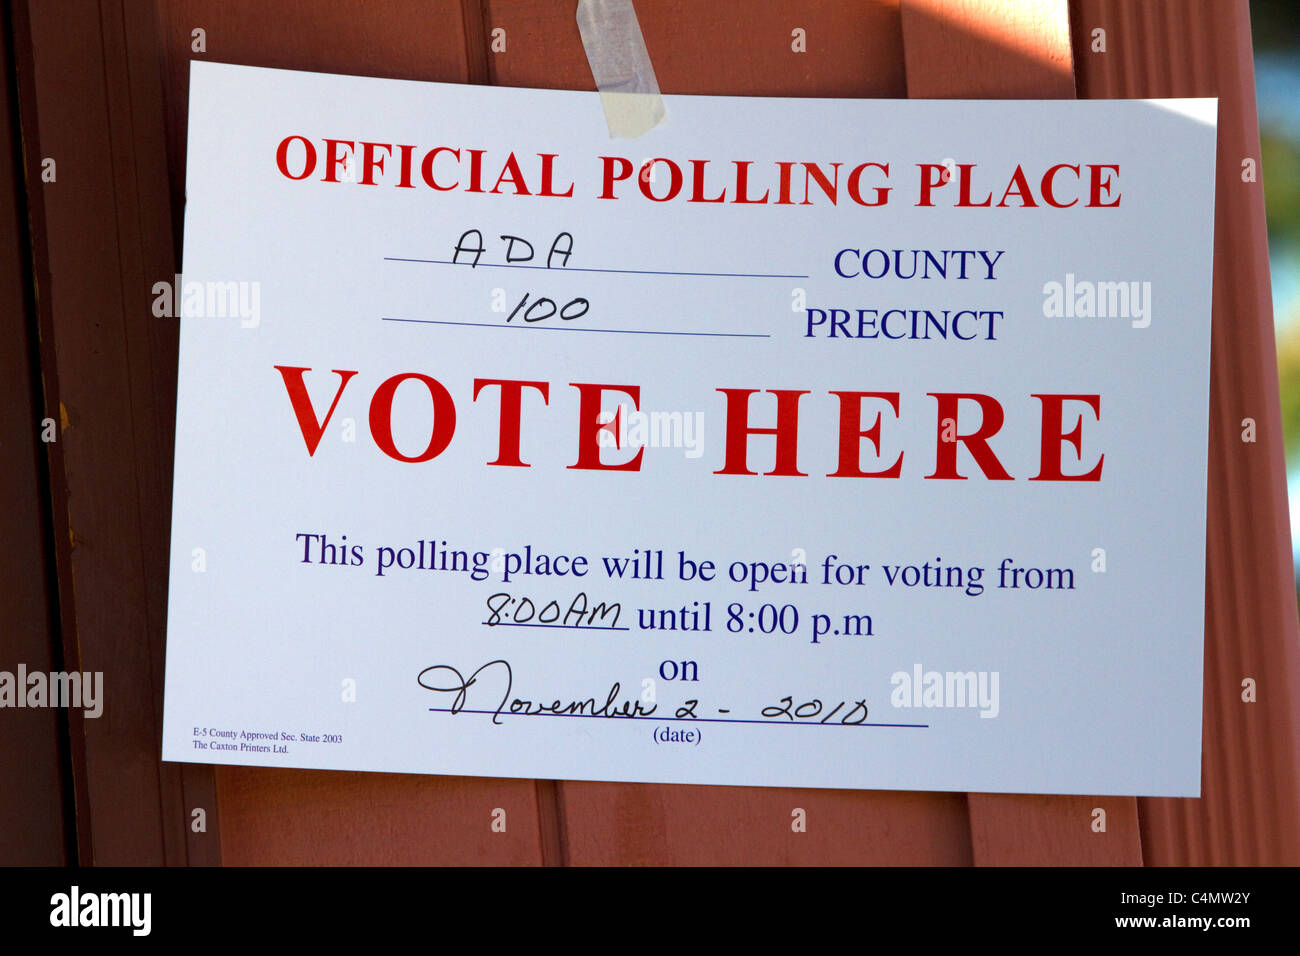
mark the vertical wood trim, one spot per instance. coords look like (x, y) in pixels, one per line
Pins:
(101, 237)
(24, 57)
(550, 815)
(1249, 809)
(36, 809)
(473, 18)
(993, 49)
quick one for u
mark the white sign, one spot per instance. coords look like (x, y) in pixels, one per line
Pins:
(826, 443)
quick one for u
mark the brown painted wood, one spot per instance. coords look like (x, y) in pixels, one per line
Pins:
(1249, 809)
(91, 100)
(722, 48)
(1036, 830)
(990, 49)
(280, 817)
(624, 824)
(32, 748)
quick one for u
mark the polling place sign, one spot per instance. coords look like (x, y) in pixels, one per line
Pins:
(798, 442)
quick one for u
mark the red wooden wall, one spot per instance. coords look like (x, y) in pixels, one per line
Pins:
(103, 90)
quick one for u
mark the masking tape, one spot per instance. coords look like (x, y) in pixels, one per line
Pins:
(629, 91)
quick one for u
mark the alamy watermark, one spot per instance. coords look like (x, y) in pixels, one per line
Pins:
(193, 299)
(78, 908)
(56, 689)
(1085, 299)
(922, 688)
(632, 428)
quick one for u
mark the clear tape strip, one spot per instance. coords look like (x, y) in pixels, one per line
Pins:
(620, 64)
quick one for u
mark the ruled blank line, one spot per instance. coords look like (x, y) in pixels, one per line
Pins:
(559, 328)
(639, 272)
